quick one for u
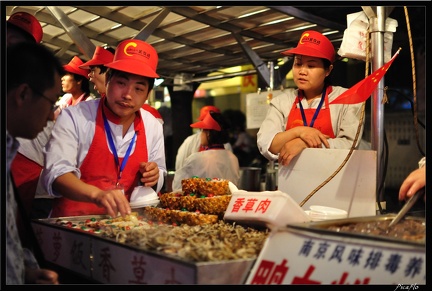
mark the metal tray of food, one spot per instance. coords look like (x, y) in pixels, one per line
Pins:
(63, 239)
(411, 230)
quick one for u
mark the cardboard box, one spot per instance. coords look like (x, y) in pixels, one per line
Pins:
(352, 189)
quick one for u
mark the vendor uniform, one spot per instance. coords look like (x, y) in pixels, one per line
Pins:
(344, 119)
(96, 163)
(210, 163)
(318, 118)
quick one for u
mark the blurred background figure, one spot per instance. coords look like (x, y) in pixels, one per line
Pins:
(215, 161)
(165, 112)
(243, 144)
(75, 85)
(192, 143)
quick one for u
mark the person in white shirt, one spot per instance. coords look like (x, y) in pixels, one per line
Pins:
(303, 117)
(192, 143)
(215, 161)
(100, 150)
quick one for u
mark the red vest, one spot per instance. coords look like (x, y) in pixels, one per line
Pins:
(322, 122)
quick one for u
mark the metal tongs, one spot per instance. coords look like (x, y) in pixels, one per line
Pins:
(407, 206)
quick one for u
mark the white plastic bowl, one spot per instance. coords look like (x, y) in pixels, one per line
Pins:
(318, 213)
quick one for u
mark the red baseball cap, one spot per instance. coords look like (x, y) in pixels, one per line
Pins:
(207, 123)
(136, 57)
(27, 23)
(313, 44)
(207, 109)
(101, 56)
(74, 67)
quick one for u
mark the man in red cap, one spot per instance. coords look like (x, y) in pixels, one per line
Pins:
(215, 161)
(23, 27)
(75, 85)
(192, 143)
(100, 150)
(101, 56)
(302, 117)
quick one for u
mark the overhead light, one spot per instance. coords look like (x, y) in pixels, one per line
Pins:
(301, 27)
(115, 26)
(95, 18)
(277, 21)
(251, 13)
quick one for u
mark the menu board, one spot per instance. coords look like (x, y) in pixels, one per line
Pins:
(257, 105)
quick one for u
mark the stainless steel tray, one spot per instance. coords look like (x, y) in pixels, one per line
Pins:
(49, 233)
(321, 227)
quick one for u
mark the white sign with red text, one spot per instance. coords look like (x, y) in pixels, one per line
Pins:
(269, 208)
(290, 256)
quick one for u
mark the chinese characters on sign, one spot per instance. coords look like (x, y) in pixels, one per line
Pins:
(353, 264)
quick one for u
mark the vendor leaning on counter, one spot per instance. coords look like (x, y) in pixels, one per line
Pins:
(302, 117)
(101, 149)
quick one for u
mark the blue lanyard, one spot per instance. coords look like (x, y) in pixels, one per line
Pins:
(113, 149)
(316, 112)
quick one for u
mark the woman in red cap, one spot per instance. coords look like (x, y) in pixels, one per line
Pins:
(101, 149)
(192, 143)
(215, 161)
(302, 117)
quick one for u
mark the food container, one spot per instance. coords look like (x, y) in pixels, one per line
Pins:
(318, 255)
(319, 213)
(250, 178)
(143, 196)
(104, 260)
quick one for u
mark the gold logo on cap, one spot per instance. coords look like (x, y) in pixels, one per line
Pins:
(303, 36)
(127, 46)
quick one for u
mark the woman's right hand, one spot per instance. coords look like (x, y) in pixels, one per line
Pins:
(290, 150)
(313, 137)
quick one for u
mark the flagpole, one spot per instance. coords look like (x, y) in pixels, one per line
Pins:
(377, 114)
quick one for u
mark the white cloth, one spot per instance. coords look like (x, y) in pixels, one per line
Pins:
(189, 146)
(422, 162)
(63, 102)
(345, 120)
(73, 134)
(221, 164)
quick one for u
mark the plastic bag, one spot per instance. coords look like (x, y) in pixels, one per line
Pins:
(354, 40)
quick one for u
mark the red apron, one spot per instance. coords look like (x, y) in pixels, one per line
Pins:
(99, 168)
(322, 122)
(25, 173)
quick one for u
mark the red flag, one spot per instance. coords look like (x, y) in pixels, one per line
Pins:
(361, 91)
